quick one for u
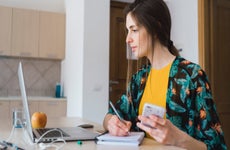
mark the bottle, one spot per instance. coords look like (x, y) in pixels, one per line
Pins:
(58, 90)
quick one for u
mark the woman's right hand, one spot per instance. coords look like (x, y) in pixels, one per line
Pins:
(118, 127)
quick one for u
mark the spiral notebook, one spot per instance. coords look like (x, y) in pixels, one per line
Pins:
(133, 139)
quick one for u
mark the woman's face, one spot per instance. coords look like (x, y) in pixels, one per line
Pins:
(137, 37)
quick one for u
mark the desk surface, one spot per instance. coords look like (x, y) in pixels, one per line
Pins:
(147, 144)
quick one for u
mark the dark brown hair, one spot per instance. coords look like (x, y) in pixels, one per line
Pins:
(154, 15)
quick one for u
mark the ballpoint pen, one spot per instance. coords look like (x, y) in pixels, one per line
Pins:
(119, 117)
(114, 109)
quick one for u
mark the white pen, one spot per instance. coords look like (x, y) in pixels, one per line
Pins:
(119, 117)
(114, 109)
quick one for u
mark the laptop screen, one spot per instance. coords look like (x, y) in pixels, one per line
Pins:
(28, 126)
(76, 133)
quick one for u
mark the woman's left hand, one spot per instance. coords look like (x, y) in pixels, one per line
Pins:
(162, 130)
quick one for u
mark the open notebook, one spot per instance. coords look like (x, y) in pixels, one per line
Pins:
(133, 139)
(68, 133)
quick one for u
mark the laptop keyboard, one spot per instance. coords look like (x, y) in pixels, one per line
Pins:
(54, 133)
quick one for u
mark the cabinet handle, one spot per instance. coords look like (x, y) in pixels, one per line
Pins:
(51, 55)
(25, 54)
(52, 103)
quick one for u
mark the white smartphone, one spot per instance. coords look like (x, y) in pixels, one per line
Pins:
(150, 109)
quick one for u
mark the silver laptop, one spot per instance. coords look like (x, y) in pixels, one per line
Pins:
(68, 133)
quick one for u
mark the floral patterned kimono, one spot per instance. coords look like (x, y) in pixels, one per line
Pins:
(189, 102)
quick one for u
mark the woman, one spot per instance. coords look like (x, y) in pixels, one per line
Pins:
(169, 81)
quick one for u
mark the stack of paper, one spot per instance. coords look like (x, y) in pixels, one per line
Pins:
(134, 139)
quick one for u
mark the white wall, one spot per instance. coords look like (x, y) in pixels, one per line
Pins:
(86, 67)
(184, 33)
(96, 59)
(72, 66)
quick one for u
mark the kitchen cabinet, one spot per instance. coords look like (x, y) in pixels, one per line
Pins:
(25, 32)
(53, 108)
(52, 35)
(5, 30)
(33, 106)
(4, 109)
(32, 33)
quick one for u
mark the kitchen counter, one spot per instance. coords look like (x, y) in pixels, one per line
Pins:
(53, 107)
(32, 98)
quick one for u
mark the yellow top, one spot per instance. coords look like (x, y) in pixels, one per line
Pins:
(156, 88)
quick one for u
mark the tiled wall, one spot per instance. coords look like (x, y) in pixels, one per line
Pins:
(40, 76)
